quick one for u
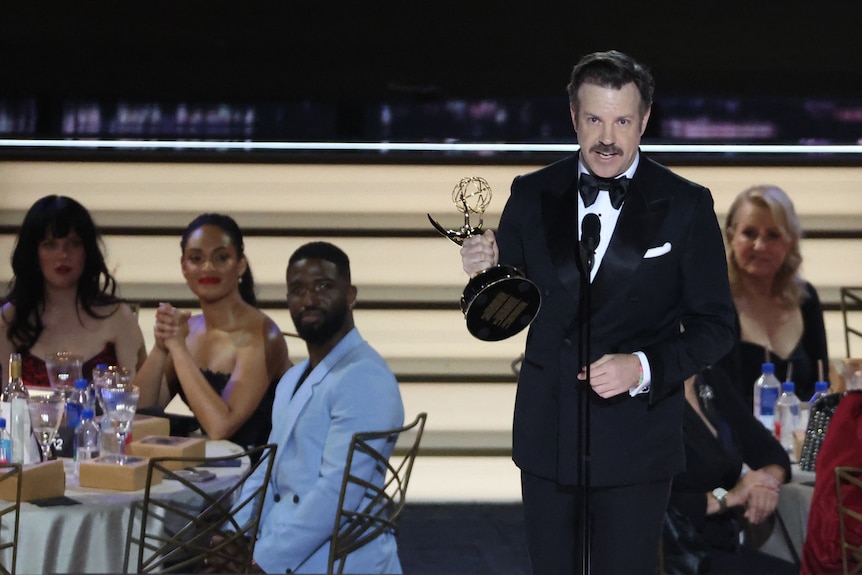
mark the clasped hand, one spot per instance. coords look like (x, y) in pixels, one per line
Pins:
(172, 326)
(758, 491)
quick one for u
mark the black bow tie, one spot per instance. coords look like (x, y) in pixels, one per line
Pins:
(589, 186)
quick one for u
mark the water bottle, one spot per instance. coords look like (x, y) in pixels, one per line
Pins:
(767, 388)
(17, 395)
(821, 388)
(5, 443)
(87, 439)
(787, 416)
(77, 402)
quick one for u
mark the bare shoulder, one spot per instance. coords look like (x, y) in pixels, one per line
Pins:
(7, 313)
(121, 316)
(275, 345)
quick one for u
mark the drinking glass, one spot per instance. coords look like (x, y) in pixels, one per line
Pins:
(64, 368)
(46, 412)
(120, 403)
(103, 378)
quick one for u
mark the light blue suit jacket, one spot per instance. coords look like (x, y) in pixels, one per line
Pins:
(351, 390)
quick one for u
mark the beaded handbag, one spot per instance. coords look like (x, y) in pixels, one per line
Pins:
(818, 421)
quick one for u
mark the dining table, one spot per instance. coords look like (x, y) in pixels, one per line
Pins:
(85, 530)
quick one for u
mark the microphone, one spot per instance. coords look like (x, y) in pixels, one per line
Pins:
(590, 233)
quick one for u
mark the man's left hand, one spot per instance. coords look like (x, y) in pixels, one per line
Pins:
(613, 374)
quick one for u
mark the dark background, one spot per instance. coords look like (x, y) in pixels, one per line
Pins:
(347, 55)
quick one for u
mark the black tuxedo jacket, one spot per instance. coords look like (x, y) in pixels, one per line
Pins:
(661, 289)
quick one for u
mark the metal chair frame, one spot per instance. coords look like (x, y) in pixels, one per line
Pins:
(851, 301)
(850, 553)
(185, 548)
(10, 511)
(381, 507)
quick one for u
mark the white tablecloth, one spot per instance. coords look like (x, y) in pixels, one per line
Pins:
(91, 537)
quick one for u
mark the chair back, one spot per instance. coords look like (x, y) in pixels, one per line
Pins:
(383, 501)
(10, 473)
(848, 481)
(851, 306)
(176, 533)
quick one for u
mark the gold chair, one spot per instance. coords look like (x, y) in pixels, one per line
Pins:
(851, 304)
(381, 506)
(851, 553)
(175, 534)
(9, 514)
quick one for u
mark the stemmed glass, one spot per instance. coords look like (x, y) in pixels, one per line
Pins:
(120, 403)
(46, 412)
(64, 368)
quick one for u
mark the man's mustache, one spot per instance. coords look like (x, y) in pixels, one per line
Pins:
(606, 149)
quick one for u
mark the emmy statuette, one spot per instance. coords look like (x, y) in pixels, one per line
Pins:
(500, 301)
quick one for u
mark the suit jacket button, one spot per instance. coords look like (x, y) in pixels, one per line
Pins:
(296, 498)
(567, 342)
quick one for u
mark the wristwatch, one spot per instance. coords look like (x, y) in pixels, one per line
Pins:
(720, 494)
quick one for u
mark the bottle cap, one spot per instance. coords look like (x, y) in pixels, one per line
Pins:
(2, 422)
(821, 386)
(81, 384)
(788, 386)
(102, 366)
(87, 413)
(768, 367)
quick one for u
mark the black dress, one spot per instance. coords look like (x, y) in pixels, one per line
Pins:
(745, 359)
(255, 431)
(717, 462)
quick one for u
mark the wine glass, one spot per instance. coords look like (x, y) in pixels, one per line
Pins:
(120, 403)
(46, 412)
(104, 378)
(64, 367)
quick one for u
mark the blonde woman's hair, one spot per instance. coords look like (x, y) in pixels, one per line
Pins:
(788, 286)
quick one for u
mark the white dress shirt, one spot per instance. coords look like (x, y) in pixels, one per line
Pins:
(608, 216)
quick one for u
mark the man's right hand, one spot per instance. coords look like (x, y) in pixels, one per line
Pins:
(479, 253)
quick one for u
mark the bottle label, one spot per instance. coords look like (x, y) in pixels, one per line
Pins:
(768, 399)
(73, 414)
(5, 450)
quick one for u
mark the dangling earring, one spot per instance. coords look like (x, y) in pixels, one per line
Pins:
(240, 280)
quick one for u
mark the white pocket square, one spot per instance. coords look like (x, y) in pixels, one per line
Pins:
(658, 251)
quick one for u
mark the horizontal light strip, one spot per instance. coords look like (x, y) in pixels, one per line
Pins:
(416, 146)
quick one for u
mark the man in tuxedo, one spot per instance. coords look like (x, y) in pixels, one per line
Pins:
(660, 311)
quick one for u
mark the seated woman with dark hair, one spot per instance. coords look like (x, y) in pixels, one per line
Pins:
(734, 468)
(226, 361)
(62, 296)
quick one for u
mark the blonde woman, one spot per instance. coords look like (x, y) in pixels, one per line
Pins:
(779, 313)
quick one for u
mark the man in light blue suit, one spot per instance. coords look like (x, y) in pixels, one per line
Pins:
(342, 388)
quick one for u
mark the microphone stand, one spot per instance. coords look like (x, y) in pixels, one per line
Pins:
(590, 234)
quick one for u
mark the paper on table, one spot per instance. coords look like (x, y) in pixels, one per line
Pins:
(178, 407)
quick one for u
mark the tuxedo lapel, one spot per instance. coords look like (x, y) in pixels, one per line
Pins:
(560, 221)
(640, 219)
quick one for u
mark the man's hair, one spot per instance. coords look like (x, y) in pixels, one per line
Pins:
(611, 69)
(323, 251)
